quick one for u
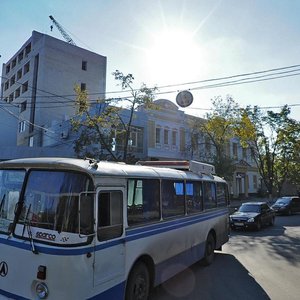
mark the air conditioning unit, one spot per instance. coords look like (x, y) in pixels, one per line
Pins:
(192, 165)
(201, 168)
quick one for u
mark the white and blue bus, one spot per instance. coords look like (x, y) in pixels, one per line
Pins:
(81, 229)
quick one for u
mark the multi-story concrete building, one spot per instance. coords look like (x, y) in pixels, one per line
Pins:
(37, 86)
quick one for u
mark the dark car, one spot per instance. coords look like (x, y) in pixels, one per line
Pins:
(287, 205)
(252, 215)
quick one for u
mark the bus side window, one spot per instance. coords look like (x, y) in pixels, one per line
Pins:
(221, 194)
(210, 200)
(172, 198)
(143, 201)
(194, 197)
(110, 215)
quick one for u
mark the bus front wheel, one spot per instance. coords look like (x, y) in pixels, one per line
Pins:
(209, 250)
(138, 284)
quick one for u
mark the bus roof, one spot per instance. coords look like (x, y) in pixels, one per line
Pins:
(104, 168)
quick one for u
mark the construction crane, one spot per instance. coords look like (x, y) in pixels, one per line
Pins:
(62, 31)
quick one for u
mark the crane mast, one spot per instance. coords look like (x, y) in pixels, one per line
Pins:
(62, 31)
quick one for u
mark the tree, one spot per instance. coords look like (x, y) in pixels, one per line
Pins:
(103, 124)
(217, 130)
(272, 138)
(143, 96)
(93, 125)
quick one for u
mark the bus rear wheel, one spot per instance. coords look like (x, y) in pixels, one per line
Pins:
(209, 250)
(138, 284)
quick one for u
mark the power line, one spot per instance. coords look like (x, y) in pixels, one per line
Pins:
(17, 117)
(182, 84)
(261, 107)
(217, 85)
(67, 102)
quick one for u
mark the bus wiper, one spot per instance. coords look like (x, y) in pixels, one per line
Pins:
(27, 224)
(1, 204)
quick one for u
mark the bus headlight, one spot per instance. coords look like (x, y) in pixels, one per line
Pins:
(41, 290)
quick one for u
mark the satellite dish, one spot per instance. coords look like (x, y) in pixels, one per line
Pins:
(184, 98)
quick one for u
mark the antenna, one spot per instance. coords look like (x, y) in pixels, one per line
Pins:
(62, 31)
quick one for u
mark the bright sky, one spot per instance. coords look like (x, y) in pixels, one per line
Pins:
(171, 42)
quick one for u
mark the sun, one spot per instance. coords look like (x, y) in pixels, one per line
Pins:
(174, 56)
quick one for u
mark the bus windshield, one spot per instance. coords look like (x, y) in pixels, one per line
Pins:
(51, 201)
(11, 182)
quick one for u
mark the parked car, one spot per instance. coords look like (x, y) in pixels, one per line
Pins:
(287, 205)
(252, 215)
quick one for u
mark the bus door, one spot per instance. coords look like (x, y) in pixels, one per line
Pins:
(109, 268)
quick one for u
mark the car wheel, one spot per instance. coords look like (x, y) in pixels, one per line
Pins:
(209, 250)
(138, 285)
(258, 225)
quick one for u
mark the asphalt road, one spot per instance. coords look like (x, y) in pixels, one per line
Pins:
(253, 265)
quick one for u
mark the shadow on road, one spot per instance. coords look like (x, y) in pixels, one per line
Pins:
(280, 242)
(225, 279)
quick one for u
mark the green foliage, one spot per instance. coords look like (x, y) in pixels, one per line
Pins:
(93, 127)
(143, 96)
(273, 139)
(219, 129)
(101, 124)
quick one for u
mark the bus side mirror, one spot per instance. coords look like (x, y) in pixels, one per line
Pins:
(86, 217)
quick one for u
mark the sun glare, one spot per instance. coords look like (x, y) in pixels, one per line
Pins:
(174, 56)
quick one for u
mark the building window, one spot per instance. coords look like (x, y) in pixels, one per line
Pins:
(17, 93)
(166, 136)
(25, 87)
(28, 49)
(20, 56)
(157, 135)
(12, 80)
(11, 97)
(252, 155)
(22, 126)
(23, 106)
(244, 153)
(26, 68)
(6, 85)
(174, 137)
(19, 74)
(133, 139)
(83, 87)
(255, 182)
(235, 150)
(31, 141)
(84, 65)
(13, 63)
(8, 68)
(195, 141)
(207, 145)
